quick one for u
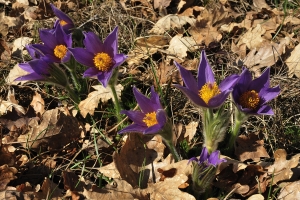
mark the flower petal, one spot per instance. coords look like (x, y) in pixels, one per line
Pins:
(229, 82)
(133, 128)
(48, 38)
(218, 100)
(161, 117)
(26, 67)
(154, 99)
(205, 73)
(265, 110)
(144, 103)
(187, 78)
(93, 43)
(91, 72)
(268, 94)
(191, 95)
(111, 42)
(136, 116)
(214, 158)
(61, 15)
(30, 77)
(104, 77)
(153, 129)
(261, 82)
(83, 56)
(119, 59)
(204, 155)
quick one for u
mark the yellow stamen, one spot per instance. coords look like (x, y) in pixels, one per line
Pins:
(60, 51)
(150, 119)
(249, 99)
(103, 61)
(62, 22)
(208, 91)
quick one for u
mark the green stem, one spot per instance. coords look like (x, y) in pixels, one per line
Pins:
(173, 150)
(112, 84)
(72, 95)
(73, 74)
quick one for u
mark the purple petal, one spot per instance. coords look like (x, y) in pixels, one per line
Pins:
(83, 56)
(91, 72)
(203, 155)
(265, 110)
(136, 116)
(30, 77)
(104, 77)
(133, 128)
(119, 59)
(229, 82)
(187, 78)
(154, 99)
(39, 66)
(67, 57)
(193, 159)
(93, 43)
(61, 15)
(44, 49)
(268, 94)
(245, 78)
(261, 82)
(214, 158)
(143, 101)
(48, 38)
(205, 73)
(111, 42)
(26, 67)
(153, 129)
(191, 95)
(218, 100)
(161, 117)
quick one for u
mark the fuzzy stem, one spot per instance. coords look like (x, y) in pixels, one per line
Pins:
(72, 71)
(240, 118)
(173, 150)
(112, 84)
(72, 95)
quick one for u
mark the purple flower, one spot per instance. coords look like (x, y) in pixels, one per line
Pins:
(64, 20)
(56, 44)
(205, 92)
(38, 69)
(152, 117)
(208, 159)
(251, 96)
(101, 58)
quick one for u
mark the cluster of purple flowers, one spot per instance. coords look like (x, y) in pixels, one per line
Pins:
(100, 58)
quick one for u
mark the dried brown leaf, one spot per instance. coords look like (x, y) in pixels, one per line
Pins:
(171, 22)
(14, 73)
(6, 175)
(250, 147)
(38, 103)
(56, 129)
(179, 46)
(290, 192)
(293, 62)
(91, 102)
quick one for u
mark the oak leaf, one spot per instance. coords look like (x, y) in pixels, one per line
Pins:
(91, 102)
(293, 62)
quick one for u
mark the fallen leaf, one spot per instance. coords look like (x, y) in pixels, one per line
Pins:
(6, 175)
(171, 22)
(19, 44)
(261, 4)
(91, 102)
(293, 62)
(161, 3)
(14, 73)
(290, 192)
(179, 46)
(250, 147)
(38, 103)
(9, 104)
(265, 56)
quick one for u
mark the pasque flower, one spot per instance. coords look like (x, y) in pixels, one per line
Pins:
(37, 70)
(251, 96)
(152, 117)
(63, 19)
(205, 92)
(204, 170)
(101, 58)
(56, 44)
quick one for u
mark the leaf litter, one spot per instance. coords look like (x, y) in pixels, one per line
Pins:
(143, 169)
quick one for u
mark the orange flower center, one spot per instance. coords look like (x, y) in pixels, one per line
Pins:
(150, 119)
(103, 61)
(60, 51)
(249, 99)
(62, 22)
(208, 91)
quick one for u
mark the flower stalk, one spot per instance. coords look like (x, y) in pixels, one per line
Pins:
(112, 84)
